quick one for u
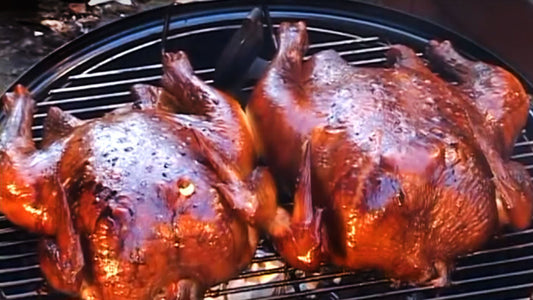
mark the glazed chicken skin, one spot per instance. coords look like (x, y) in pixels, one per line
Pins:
(142, 203)
(401, 170)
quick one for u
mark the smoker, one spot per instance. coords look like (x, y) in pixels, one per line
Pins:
(92, 75)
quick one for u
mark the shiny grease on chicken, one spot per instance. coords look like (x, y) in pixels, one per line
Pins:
(157, 200)
(400, 170)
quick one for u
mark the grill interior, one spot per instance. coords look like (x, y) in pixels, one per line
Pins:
(94, 83)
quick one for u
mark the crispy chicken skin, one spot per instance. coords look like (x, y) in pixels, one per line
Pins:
(401, 170)
(157, 200)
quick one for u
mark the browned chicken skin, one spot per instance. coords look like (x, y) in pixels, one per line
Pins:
(404, 170)
(141, 203)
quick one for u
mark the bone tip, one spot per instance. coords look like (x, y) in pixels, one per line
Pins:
(301, 25)
(294, 27)
(20, 90)
(178, 60)
(175, 56)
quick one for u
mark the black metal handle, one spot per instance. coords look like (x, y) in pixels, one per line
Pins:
(240, 53)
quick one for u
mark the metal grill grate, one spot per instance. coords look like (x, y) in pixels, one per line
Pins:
(503, 270)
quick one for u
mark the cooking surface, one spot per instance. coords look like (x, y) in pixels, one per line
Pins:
(502, 270)
(504, 27)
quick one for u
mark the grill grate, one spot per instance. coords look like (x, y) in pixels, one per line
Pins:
(502, 270)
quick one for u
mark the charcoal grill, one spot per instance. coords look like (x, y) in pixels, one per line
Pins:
(92, 75)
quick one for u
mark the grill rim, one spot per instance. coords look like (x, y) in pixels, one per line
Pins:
(99, 40)
(244, 10)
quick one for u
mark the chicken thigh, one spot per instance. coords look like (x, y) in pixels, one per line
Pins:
(400, 170)
(141, 203)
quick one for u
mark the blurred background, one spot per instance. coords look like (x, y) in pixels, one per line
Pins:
(31, 29)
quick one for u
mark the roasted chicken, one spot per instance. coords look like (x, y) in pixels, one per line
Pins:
(142, 203)
(399, 170)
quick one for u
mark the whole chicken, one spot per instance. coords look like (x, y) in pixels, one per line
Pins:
(141, 203)
(400, 170)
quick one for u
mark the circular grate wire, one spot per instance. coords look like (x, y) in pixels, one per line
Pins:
(92, 76)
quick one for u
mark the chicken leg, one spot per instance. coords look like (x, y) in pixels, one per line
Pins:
(495, 91)
(515, 195)
(33, 199)
(298, 237)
